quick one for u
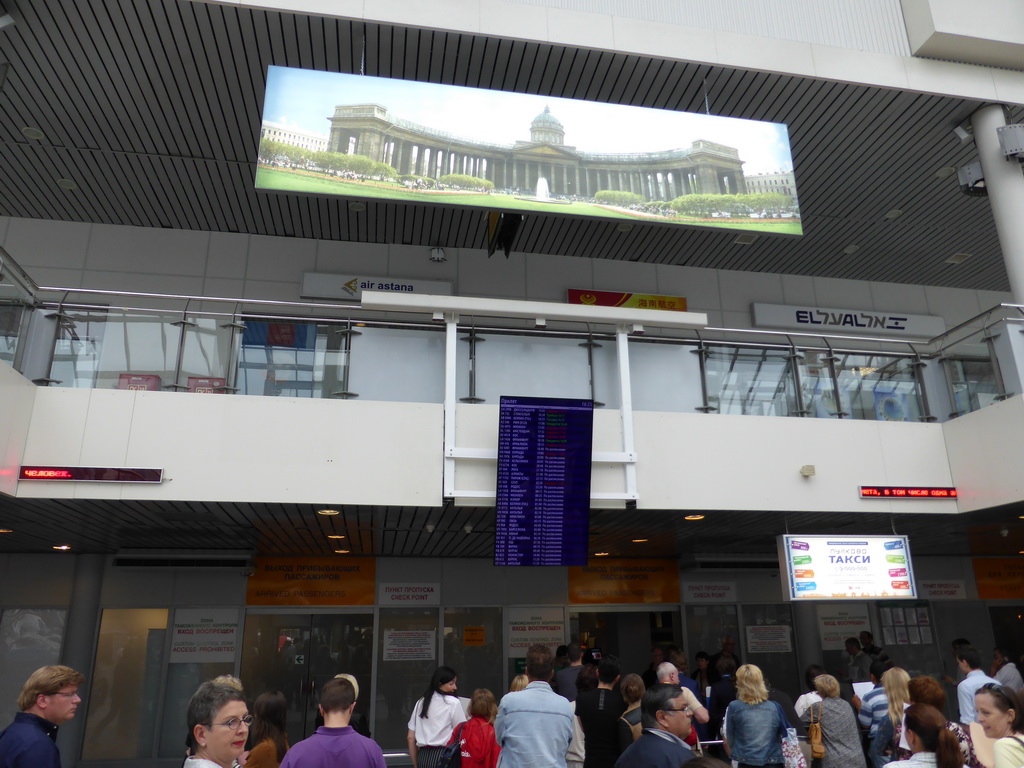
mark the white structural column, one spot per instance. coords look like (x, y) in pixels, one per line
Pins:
(1004, 181)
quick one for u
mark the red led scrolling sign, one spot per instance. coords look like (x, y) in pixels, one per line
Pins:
(905, 492)
(92, 474)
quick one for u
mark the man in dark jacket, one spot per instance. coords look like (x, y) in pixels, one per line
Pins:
(48, 699)
(666, 721)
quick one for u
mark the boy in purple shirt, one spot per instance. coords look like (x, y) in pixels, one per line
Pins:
(335, 742)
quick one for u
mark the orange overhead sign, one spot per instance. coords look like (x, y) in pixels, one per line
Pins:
(999, 577)
(313, 581)
(624, 581)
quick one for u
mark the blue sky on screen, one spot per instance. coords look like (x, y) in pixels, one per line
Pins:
(304, 99)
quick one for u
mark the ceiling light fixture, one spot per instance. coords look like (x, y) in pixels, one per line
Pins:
(67, 184)
(437, 255)
(958, 258)
(31, 132)
(625, 226)
(851, 249)
(639, 541)
(6, 21)
(6, 530)
(945, 172)
(600, 554)
(62, 547)
(895, 213)
(694, 517)
(327, 512)
(342, 551)
(745, 239)
(335, 536)
(356, 205)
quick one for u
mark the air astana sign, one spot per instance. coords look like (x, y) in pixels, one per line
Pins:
(800, 317)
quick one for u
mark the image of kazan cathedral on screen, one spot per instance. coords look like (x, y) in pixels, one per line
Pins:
(568, 173)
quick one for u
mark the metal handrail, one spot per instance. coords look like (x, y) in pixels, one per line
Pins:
(784, 337)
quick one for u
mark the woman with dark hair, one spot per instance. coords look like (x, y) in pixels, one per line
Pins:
(928, 690)
(632, 689)
(434, 718)
(702, 674)
(577, 752)
(931, 744)
(479, 746)
(268, 730)
(218, 725)
(1001, 717)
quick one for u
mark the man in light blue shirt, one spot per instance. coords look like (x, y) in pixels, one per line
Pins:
(969, 661)
(534, 725)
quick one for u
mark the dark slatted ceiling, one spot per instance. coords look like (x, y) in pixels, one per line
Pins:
(120, 526)
(153, 108)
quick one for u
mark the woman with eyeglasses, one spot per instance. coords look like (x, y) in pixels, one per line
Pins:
(931, 744)
(218, 726)
(754, 726)
(1001, 717)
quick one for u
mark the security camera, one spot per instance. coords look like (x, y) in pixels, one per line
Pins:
(972, 180)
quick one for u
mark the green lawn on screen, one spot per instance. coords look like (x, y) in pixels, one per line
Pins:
(271, 179)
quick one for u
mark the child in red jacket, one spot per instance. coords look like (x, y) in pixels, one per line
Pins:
(479, 746)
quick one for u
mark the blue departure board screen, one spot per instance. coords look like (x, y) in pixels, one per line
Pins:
(545, 448)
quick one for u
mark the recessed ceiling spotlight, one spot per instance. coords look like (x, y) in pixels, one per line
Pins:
(63, 547)
(745, 239)
(895, 213)
(66, 184)
(625, 226)
(31, 132)
(958, 258)
(694, 517)
(639, 541)
(851, 249)
(356, 205)
(945, 173)
(335, 536)
(6, 530)
(342, 551)
(327, 512)
(600, 554)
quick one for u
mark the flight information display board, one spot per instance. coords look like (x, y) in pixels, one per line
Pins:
(545, 448)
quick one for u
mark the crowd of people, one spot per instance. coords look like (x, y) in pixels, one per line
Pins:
(571, 710)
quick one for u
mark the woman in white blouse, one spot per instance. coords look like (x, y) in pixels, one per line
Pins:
(434, 718)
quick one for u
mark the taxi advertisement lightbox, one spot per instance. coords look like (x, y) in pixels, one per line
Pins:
(847, 567)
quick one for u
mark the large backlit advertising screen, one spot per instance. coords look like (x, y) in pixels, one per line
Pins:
(847, 567)
(329, 133)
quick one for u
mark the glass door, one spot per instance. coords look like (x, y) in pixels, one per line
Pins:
(296, 653)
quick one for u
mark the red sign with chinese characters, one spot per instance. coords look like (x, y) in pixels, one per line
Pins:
(631, 300)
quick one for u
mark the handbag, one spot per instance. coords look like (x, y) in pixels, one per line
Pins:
(451, 755)
(792, 755)
(814, 734)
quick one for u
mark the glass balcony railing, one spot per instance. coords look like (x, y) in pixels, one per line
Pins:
(209, 346)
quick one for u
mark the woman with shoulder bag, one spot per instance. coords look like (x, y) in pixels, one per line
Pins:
(839, 732)
(632, 689)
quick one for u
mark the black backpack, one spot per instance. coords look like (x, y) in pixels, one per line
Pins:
(451, 756)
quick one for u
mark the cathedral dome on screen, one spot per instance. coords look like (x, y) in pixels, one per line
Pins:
(546, 129)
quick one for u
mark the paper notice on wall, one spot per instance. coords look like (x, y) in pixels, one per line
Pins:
(409, 645)
(836, 623)
(769, 639)
(530, 626)
(202, 635)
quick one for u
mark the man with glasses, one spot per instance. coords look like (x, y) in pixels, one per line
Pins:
(666, 721)
(48, 699)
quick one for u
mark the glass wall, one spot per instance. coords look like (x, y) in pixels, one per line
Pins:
(877, 387)
(30, 638)
(12, 315)
(750, 381)
(473, 648)
(972, 381)
(126, 683)
(407, 656)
